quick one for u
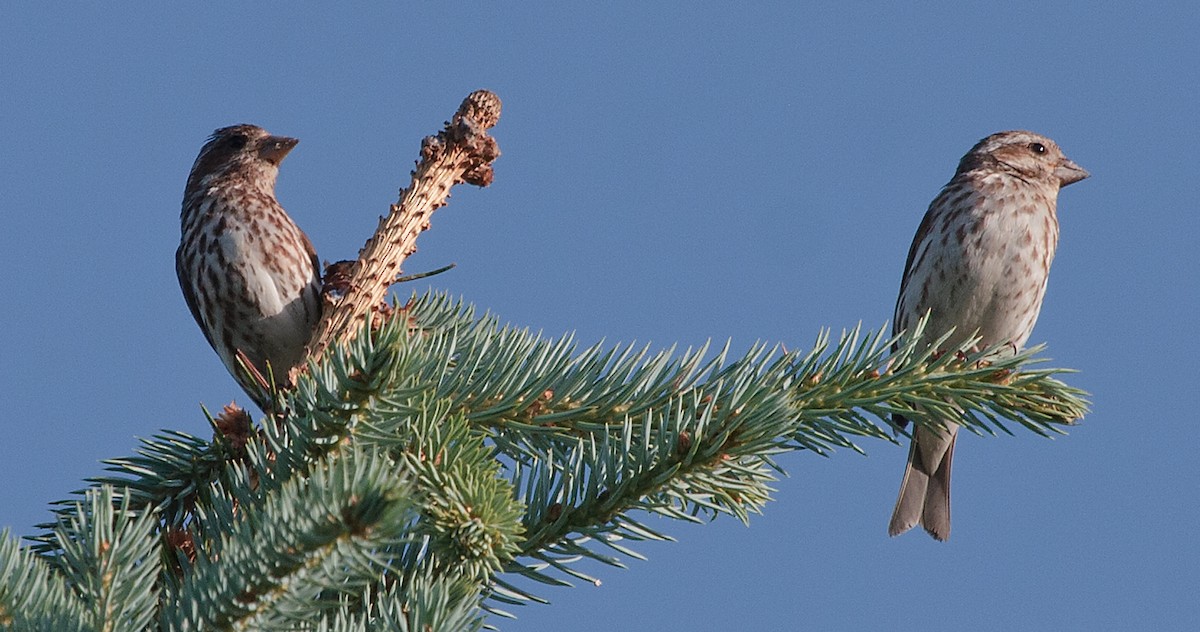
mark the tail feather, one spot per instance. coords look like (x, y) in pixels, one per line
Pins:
(924, 496)
(907, 513)
(935, 515)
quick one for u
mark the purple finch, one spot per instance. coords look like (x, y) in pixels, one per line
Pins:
(978, 265)
(249, 274)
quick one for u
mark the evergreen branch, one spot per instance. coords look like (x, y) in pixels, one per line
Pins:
(167, 471)
(32, 595)
(427, 604)
(461, 152)
(978, 389)
(493, 453)
(817, 401)
(384, 392)
(591, 437)
(111, 560)
(165, 476)
(316, 534)
(107, 567)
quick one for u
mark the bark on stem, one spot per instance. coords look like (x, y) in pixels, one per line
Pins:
(462, 152)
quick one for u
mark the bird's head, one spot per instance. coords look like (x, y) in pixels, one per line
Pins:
(1026, 155)
(241, 150)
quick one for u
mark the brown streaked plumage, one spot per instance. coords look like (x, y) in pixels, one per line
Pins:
(249, 274)
(979, 263)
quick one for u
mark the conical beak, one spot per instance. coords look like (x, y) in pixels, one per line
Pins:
(274, 148)
(1069, 173)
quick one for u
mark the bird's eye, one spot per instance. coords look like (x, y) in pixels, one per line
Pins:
(237, 141)
(1037, 148)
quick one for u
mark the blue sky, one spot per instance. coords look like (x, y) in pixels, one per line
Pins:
(671, 174)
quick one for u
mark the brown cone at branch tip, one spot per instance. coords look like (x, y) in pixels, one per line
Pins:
(482, 107)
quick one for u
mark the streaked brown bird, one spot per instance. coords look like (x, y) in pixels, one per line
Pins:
(250, 275)
(978, 264)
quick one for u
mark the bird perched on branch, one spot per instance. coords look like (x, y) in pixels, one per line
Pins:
(250, 275)
(978, 264)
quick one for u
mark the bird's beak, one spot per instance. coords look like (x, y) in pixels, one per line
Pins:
(1069, 173)
(274, 148)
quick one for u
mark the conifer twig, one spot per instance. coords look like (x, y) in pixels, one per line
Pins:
(462, 152)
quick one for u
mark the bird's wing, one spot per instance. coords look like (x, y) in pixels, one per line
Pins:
(922, 232)
(189, 296)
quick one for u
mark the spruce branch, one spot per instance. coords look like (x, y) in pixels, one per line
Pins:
(33, 596)
(461, 152)
(447, 449)
(104, 576)
(111, 560)
(427, 604)
(590, 438)
(516, 455)
(326, 533)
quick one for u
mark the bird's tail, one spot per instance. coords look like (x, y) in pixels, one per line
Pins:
(924, 497)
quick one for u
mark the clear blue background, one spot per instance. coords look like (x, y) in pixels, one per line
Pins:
(670, 174)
